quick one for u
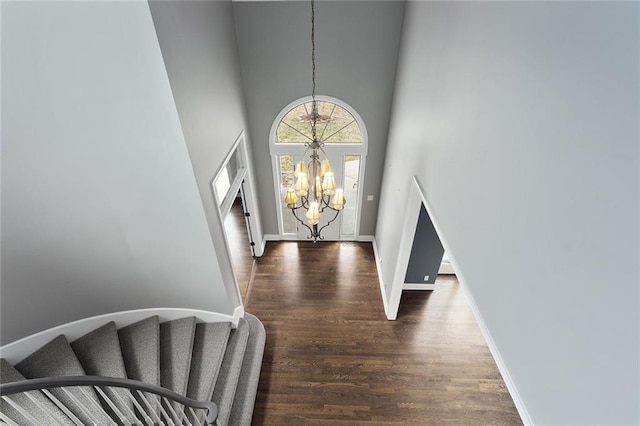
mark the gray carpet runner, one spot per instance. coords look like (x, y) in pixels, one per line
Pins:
(208, 349)
(140, 343)
(100, 354)
(176, 347)
(8, 374)
(225, 388)
(245, 398)
(203, 361)
(57, 358)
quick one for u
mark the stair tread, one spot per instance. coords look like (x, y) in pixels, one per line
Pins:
(140, 344)
(244, 401)
(100, 354)
(225, 387)
(57, 358)
(209, 345)
(53, 416)
(176, 345)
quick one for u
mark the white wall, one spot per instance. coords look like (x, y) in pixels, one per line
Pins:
(520, 120)
(198, 43)
(100, 208)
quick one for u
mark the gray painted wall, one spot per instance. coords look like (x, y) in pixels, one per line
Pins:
(520, 120)
(426, 252)
(100, 208)
(198, 43)
(356, 51)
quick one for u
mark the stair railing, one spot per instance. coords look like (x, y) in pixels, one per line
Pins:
(122, 400)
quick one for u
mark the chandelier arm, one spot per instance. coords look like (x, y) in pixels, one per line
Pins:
(325, 203)
(329, 223)
(321, 148)
(304, 203)
(293, 210)
(315, 235)
(308, 145)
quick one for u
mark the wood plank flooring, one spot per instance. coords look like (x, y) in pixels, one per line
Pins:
(332, 357)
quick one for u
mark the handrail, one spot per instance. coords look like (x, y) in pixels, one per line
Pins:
(64, 381)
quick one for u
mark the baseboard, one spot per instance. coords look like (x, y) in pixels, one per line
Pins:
(446, 269)
(365, 238)
(264, 244)
(418, 286)
(383, 293)
(513, 391)
(522, 411)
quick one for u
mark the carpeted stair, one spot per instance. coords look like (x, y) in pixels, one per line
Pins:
(203, 361)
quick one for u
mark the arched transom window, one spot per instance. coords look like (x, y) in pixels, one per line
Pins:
(334, 125)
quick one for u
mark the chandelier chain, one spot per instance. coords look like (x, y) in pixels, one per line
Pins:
(314, 108)
(314, 183)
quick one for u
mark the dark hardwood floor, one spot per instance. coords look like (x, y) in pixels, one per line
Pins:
(332, 357)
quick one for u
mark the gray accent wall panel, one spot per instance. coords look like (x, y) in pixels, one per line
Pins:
(426, 252)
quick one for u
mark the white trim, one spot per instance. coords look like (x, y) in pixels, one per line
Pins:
(361, 169)
(409, 224)
(229, 278)
(251, 199)
(504, 371)
(418, 286)
(264, 244)
(225, 204)
(385, 303)
(16, 351)
(365, 238)
(240, 149)
(446, 269)
(238, 313)
(337, 149)
(274, 127)
(229, 199)
(275, 169)
(416, 188)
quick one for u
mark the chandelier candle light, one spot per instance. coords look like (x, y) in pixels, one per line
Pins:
(314, 182)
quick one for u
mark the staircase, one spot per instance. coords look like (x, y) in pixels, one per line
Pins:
(128, 370)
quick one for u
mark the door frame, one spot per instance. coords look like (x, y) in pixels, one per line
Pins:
(244, 178)
(415, 202)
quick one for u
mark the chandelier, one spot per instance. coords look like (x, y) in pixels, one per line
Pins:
(315, 187)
